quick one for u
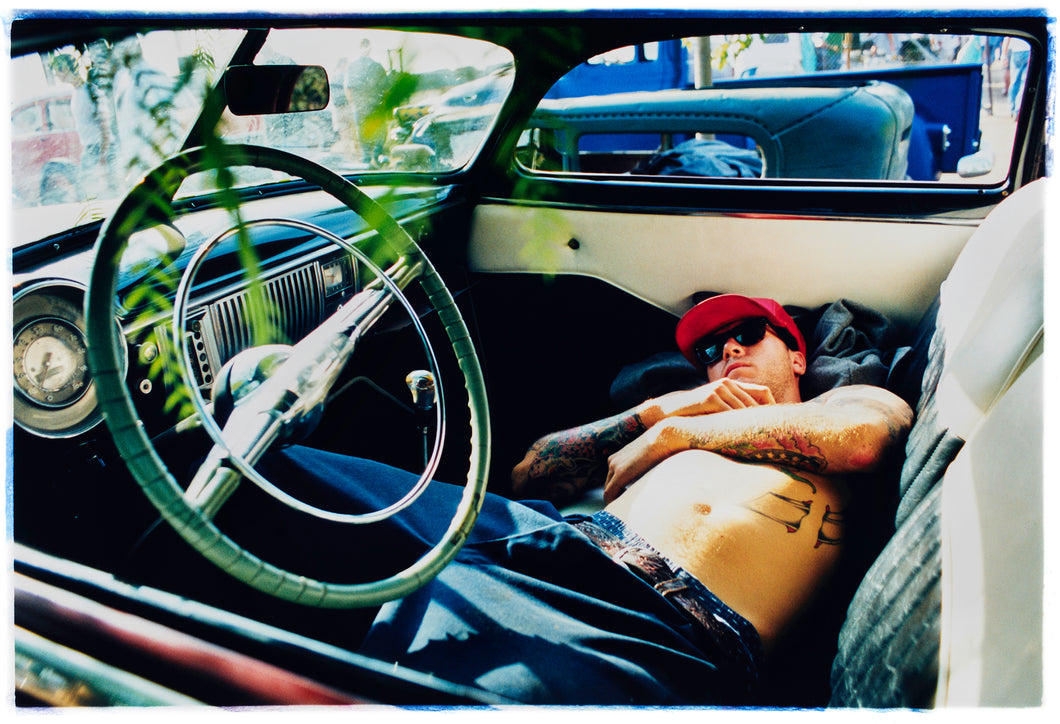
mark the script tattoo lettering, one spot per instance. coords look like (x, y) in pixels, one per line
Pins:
(795, 476)
(789, 512)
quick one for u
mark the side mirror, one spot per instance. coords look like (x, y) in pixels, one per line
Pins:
(254, 90)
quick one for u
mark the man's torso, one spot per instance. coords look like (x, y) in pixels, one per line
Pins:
(760, 538)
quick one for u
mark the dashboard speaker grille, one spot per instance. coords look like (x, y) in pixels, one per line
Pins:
(294, 306)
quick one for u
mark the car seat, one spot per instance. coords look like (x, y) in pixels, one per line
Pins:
(950, 612)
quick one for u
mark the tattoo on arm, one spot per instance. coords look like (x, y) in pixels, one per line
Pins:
(594, 441)
(895, 414)
(567, 478)
(848, 428)
(795, 450)
(568, 462)
(616, 432)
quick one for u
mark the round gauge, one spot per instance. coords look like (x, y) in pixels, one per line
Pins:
(54, 392)
(50, 362)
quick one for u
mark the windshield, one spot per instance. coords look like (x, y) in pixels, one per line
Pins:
(87, 122)
(385, 87)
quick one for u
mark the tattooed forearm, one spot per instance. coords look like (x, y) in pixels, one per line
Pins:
(791, 450)
(896, 420)
(588, 443)
(563, 464)
(616, 432)
(848, 429)
(567, 478)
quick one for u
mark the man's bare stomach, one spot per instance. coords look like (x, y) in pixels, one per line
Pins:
(760, 538)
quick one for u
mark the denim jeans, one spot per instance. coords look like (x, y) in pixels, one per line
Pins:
(530, 609)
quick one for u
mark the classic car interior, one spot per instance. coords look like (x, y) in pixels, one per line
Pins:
(253, 273)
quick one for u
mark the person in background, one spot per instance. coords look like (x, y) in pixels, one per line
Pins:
(366, 83)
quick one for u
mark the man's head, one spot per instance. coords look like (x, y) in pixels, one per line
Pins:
(746, 338)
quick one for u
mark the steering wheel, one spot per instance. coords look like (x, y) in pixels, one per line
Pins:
(189, 516)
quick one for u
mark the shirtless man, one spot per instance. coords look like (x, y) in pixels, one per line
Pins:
(724, 514)
(738, 481)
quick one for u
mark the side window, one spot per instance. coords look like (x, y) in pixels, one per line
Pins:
(840, 106)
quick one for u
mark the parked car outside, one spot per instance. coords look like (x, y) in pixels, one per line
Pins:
(46, 143)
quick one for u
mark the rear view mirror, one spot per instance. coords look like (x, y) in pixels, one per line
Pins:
(252, 90)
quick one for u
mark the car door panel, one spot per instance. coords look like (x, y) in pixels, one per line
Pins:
(665, 259)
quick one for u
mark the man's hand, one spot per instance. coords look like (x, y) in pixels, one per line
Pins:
(718, 396)
(662, 440)
(560, 466)
(637, 458)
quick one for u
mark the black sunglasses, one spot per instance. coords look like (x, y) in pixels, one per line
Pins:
(711, 348)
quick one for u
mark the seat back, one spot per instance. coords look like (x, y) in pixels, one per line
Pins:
(988, 332)
(992, 556)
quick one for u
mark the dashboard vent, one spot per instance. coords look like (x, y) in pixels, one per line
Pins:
(295, 304)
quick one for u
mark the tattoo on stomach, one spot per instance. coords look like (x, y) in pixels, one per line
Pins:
(831, 532)
(792, 513)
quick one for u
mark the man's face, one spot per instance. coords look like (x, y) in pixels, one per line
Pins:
(767, 362)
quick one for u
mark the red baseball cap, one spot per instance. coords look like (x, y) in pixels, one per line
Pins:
(715, 313)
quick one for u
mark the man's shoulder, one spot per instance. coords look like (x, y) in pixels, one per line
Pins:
(870, 397)
(855, 392)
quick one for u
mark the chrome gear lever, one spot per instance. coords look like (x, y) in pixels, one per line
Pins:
(424, 397)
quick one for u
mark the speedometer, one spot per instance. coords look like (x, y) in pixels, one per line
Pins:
(50, 364)
(54, 392)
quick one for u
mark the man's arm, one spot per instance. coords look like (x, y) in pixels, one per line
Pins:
(560, 466)
(848, 429)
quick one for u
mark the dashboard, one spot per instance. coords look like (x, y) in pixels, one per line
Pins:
(302, 277)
